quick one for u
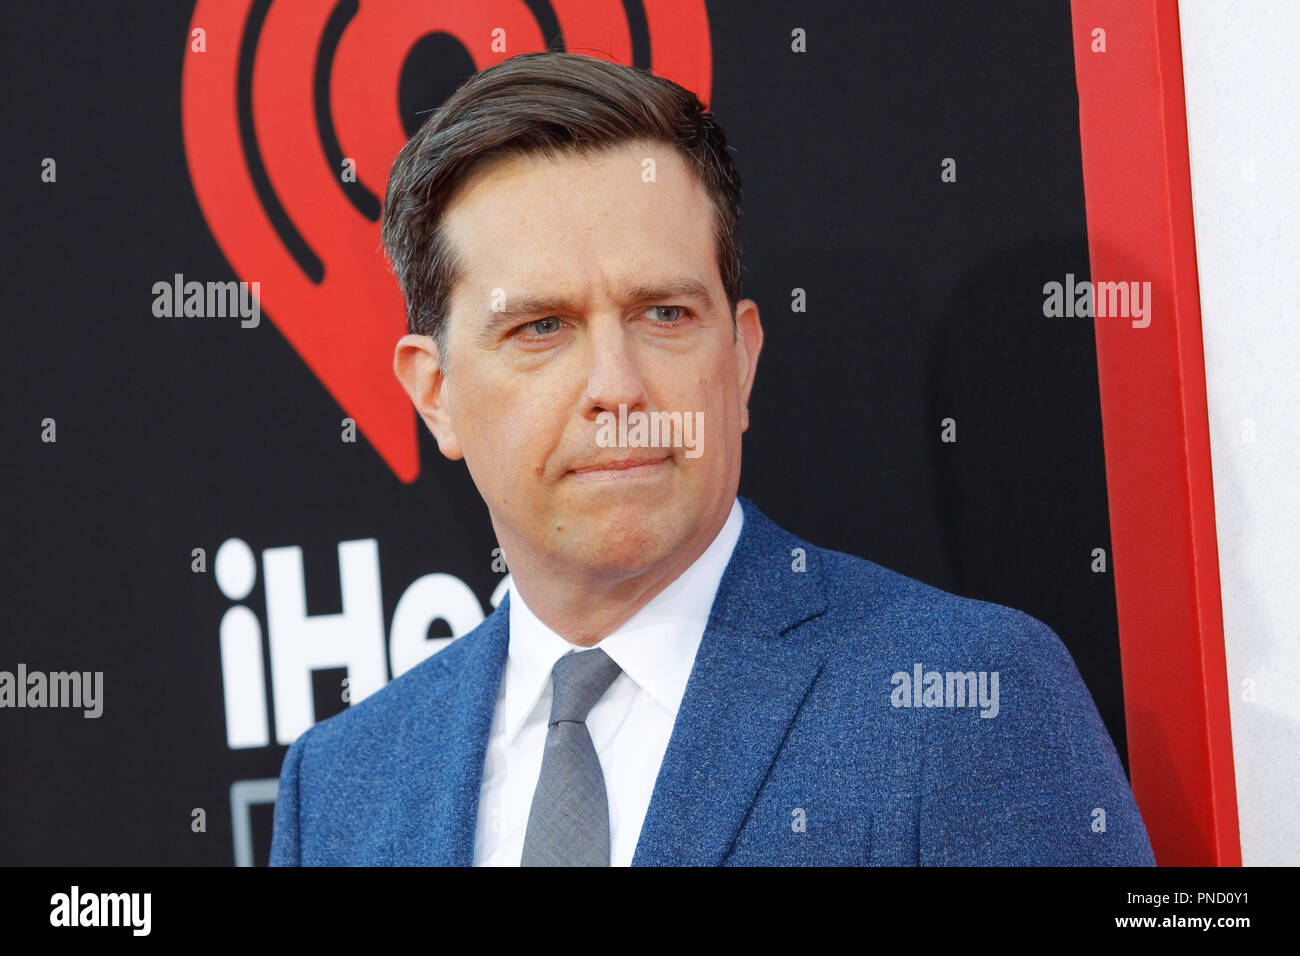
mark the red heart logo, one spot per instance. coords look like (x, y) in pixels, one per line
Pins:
(264, 149)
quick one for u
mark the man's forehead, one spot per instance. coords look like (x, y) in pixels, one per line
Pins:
(539, 236)
(514, 193)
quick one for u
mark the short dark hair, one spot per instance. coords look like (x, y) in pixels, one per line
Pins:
(548, 104)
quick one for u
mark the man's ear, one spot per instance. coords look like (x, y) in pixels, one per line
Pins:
(418, 366)
(749, 342)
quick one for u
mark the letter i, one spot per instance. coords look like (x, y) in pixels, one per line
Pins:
(242, 670)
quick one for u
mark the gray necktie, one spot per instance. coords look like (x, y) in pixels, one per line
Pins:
(568, 824)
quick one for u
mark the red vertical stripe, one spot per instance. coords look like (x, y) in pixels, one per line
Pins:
(1133, 131)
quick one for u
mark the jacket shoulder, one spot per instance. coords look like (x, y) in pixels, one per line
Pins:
(378, 719)
(867, 601)
(1030, 750)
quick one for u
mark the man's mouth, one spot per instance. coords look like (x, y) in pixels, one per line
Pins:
(621, 469)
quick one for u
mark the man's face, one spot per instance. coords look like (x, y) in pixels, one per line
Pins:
(585, 288)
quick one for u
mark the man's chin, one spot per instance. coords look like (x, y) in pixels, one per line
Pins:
(625, 537)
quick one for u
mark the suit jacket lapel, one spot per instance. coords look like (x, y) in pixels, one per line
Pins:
(450, 745)
(750, 677)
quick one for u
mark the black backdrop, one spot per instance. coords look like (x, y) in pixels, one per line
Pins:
(924, 301)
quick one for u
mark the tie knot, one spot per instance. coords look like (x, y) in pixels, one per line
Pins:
(580, 679)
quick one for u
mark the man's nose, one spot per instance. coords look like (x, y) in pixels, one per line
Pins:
(613, 376)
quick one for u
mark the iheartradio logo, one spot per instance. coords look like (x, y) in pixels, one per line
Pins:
(299, 644)
(292, 116)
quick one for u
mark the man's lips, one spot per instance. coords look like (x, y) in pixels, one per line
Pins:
(620, 468)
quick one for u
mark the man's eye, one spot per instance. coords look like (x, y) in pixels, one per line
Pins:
(542, 326)
(666, 314)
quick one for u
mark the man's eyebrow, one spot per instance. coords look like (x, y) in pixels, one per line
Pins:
(682, 288)
(518, 307)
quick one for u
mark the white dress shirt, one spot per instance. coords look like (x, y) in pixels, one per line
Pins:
(629, 725)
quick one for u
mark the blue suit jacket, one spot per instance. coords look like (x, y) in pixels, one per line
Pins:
(788, 747)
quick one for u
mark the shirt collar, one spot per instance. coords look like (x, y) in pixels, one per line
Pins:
(655, 648)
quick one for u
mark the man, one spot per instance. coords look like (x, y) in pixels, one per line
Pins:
(672, 678)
